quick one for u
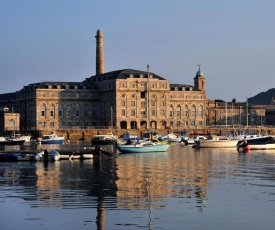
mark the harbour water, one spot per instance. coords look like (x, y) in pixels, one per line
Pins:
(183, 188)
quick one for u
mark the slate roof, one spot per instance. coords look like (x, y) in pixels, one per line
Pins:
(123, 74)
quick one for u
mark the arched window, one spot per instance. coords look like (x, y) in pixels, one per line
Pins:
(52, 110)
(193, 111)
(178, 111)
(43, 110)
(171, 111)
(201, 110)
(186, 113)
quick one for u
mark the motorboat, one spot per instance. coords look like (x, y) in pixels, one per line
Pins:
(216, 142)
(191, 140)
(16, 157)
(170, 137)
(107, 139)
(11, 141)
(256, 143)
(142, 147)
(52, 139)
(53, 155)
(81, 155)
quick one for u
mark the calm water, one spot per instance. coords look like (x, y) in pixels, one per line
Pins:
(184, 188)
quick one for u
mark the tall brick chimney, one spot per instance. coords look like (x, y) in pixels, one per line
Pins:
(99, 53)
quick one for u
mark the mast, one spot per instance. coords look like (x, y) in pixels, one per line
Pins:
(148, 100)
(112, 120)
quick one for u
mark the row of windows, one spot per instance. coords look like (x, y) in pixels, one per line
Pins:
(162, 113)
(68, 113)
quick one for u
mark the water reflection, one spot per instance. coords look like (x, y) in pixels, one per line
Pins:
(173, 182)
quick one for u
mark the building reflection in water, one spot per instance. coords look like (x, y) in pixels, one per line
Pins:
(130, 181)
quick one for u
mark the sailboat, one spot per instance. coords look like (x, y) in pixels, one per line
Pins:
(144, 146)
(105, 139)
(11, 140)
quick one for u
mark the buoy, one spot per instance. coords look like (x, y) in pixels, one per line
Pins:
(247, 147)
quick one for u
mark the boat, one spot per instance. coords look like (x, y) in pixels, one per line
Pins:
(191, 140)
(53, 155)
(76, 155)
(142, 148)
(11, 141)
(52, 139)
(256, 143)
(107, 139)
(16, 157)
(170, 137)
(216, 142)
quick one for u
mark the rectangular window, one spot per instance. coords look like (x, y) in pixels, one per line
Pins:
(133, 112)
(51, 113)
(153, 103)
(133, 103)
(123, 113)
(77, 113)
(60, 113)
(142, 113)
(68, 113)
(43, 113)
(123, 103)
(143, 104)
(51, 124)
(153, 112)
(142, 94)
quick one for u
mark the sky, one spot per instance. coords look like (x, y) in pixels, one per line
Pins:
(54, 40)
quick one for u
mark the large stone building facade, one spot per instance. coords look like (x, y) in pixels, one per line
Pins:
(121, 99)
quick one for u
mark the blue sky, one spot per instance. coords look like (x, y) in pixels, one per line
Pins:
(54, 40)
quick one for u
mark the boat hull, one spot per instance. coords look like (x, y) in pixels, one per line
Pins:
(142, 148)
(216, 143)
(61, 141)
(12, 142)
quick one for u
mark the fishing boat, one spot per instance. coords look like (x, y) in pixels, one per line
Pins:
(52, 139)
(142, 148)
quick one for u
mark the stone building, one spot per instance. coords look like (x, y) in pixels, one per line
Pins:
(122, 99)
(235, 113)
(9, 121)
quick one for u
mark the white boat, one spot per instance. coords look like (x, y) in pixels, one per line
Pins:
(52, 139)
(256, 143)
(217, 142)
(76, 155)
(171, 137)
(191, 140)
(11, 141)
(104, 139)
(53, 155)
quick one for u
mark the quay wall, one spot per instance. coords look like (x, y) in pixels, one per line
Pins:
(87, 134)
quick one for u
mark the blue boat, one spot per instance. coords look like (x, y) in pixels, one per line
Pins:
(142, 148)
(52, 139)
(16, 157)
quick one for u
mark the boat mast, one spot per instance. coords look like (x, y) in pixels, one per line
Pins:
(148, 100)
(112, 120)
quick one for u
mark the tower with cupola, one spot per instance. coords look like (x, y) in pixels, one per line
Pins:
(199, 80)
